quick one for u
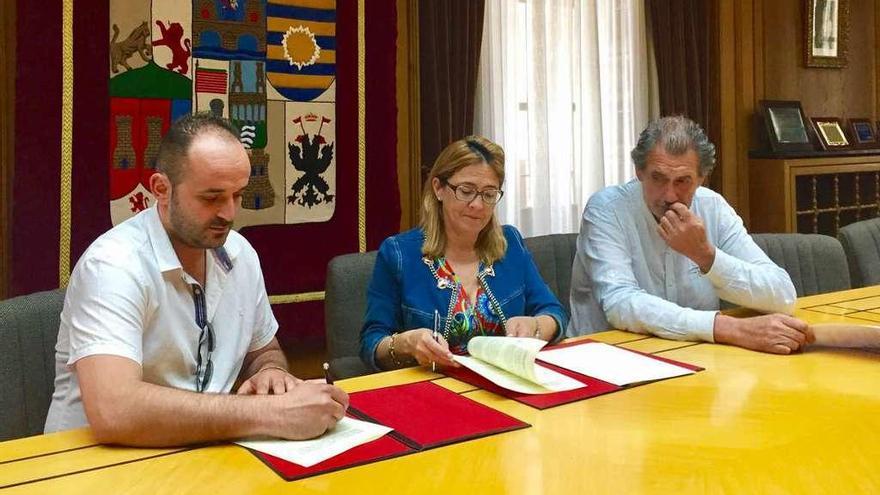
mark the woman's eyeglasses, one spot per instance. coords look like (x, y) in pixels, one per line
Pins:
(467, 193)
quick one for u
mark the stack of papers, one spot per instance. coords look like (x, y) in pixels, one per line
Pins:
(611, 364)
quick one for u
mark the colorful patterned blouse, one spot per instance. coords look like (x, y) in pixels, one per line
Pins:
(467, 320)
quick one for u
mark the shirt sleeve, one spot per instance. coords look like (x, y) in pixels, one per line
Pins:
(626, 305)
(265, 325)
(743, 274)
(384, 314)
(105, 311)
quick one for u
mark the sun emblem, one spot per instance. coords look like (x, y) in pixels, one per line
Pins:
(300, 47)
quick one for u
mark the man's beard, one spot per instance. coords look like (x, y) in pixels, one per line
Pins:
(189, 232)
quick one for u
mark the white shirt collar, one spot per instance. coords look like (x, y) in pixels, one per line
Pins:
(166, 257)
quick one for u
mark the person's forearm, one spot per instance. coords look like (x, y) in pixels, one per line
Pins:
(273, 358)
(640, 312)
(149, 415)
(725, 329)
(270, 356)
(402, 355)
(547, 327)
(760, 286)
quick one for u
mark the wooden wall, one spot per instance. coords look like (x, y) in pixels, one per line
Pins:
(847, 93)
(760, 56)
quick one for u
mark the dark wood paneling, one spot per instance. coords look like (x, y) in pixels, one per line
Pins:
(7, 135)
(848, 92)
(760, 51)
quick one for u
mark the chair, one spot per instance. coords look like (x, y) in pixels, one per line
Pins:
(345, 303)
(861, 243)
(28, 332)
(815, 263)
(554, 256)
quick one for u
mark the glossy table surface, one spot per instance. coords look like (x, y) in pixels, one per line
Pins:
(749, 423)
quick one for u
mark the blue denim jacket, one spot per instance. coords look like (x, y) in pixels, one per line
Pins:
(404, 294)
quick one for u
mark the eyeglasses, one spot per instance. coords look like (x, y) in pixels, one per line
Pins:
(467, 193)
(204, 366)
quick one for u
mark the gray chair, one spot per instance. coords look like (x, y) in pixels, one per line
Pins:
(554, 256)
(861, 243)
(816, 263)
(345, 303)
(28, 332)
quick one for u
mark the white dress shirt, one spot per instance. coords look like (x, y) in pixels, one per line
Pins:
(625, 274)
(129, 296)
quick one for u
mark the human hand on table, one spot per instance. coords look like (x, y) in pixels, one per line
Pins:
(522, 326)
(420, 344)
(268, 381)
(774, 333)
(307, 411)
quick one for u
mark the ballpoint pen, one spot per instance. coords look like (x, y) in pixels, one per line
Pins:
(327, 377)
(436, 336)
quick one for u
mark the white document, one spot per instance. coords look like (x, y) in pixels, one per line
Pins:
(846, 335)
(347, 434)
(611, 364)
(509, 362)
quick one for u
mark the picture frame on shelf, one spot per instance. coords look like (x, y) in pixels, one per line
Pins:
(830, 133)
(826, 33)
(862, 132)
(786, 126)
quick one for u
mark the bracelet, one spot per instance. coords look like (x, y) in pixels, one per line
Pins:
(394, 359)
(537, 328)
(272, 367)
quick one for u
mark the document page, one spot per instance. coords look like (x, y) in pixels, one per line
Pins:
(509, 362)
(513, 354)
(846, 335)
(347, 434)
(611, 364)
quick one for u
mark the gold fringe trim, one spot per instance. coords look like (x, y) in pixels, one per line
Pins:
(66, 141)
(296, 298)
(362, 128)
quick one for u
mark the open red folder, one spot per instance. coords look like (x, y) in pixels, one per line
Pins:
(424, 415)
(595, 387)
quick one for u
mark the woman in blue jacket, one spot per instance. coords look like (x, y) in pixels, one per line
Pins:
(461, 264)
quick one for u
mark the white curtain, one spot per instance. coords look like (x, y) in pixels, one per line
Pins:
(565, 86)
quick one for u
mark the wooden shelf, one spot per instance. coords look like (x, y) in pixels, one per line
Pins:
(813, 195)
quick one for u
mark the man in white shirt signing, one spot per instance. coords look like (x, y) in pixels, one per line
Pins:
(656, 255)
(167, 311)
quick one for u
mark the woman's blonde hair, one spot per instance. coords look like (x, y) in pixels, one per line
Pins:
(471, 150)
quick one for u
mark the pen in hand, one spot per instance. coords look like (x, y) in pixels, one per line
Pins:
(327, 377)
(436, 335)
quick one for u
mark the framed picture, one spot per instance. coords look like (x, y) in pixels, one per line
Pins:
(786, 126)
(830, 133)
(826, 33)
(862, 133)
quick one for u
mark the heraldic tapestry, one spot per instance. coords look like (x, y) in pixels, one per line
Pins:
(268, 66)
(310, 85)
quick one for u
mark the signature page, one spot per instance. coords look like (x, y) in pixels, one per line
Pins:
(347, 434)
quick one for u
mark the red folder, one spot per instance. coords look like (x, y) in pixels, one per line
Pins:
(594, 387)
(424, 415)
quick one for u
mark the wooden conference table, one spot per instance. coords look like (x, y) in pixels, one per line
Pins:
(749, 423)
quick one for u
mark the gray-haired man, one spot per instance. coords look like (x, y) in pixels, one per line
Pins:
(655, 255)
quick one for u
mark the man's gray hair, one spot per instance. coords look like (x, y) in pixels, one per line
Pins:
(676, 134)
